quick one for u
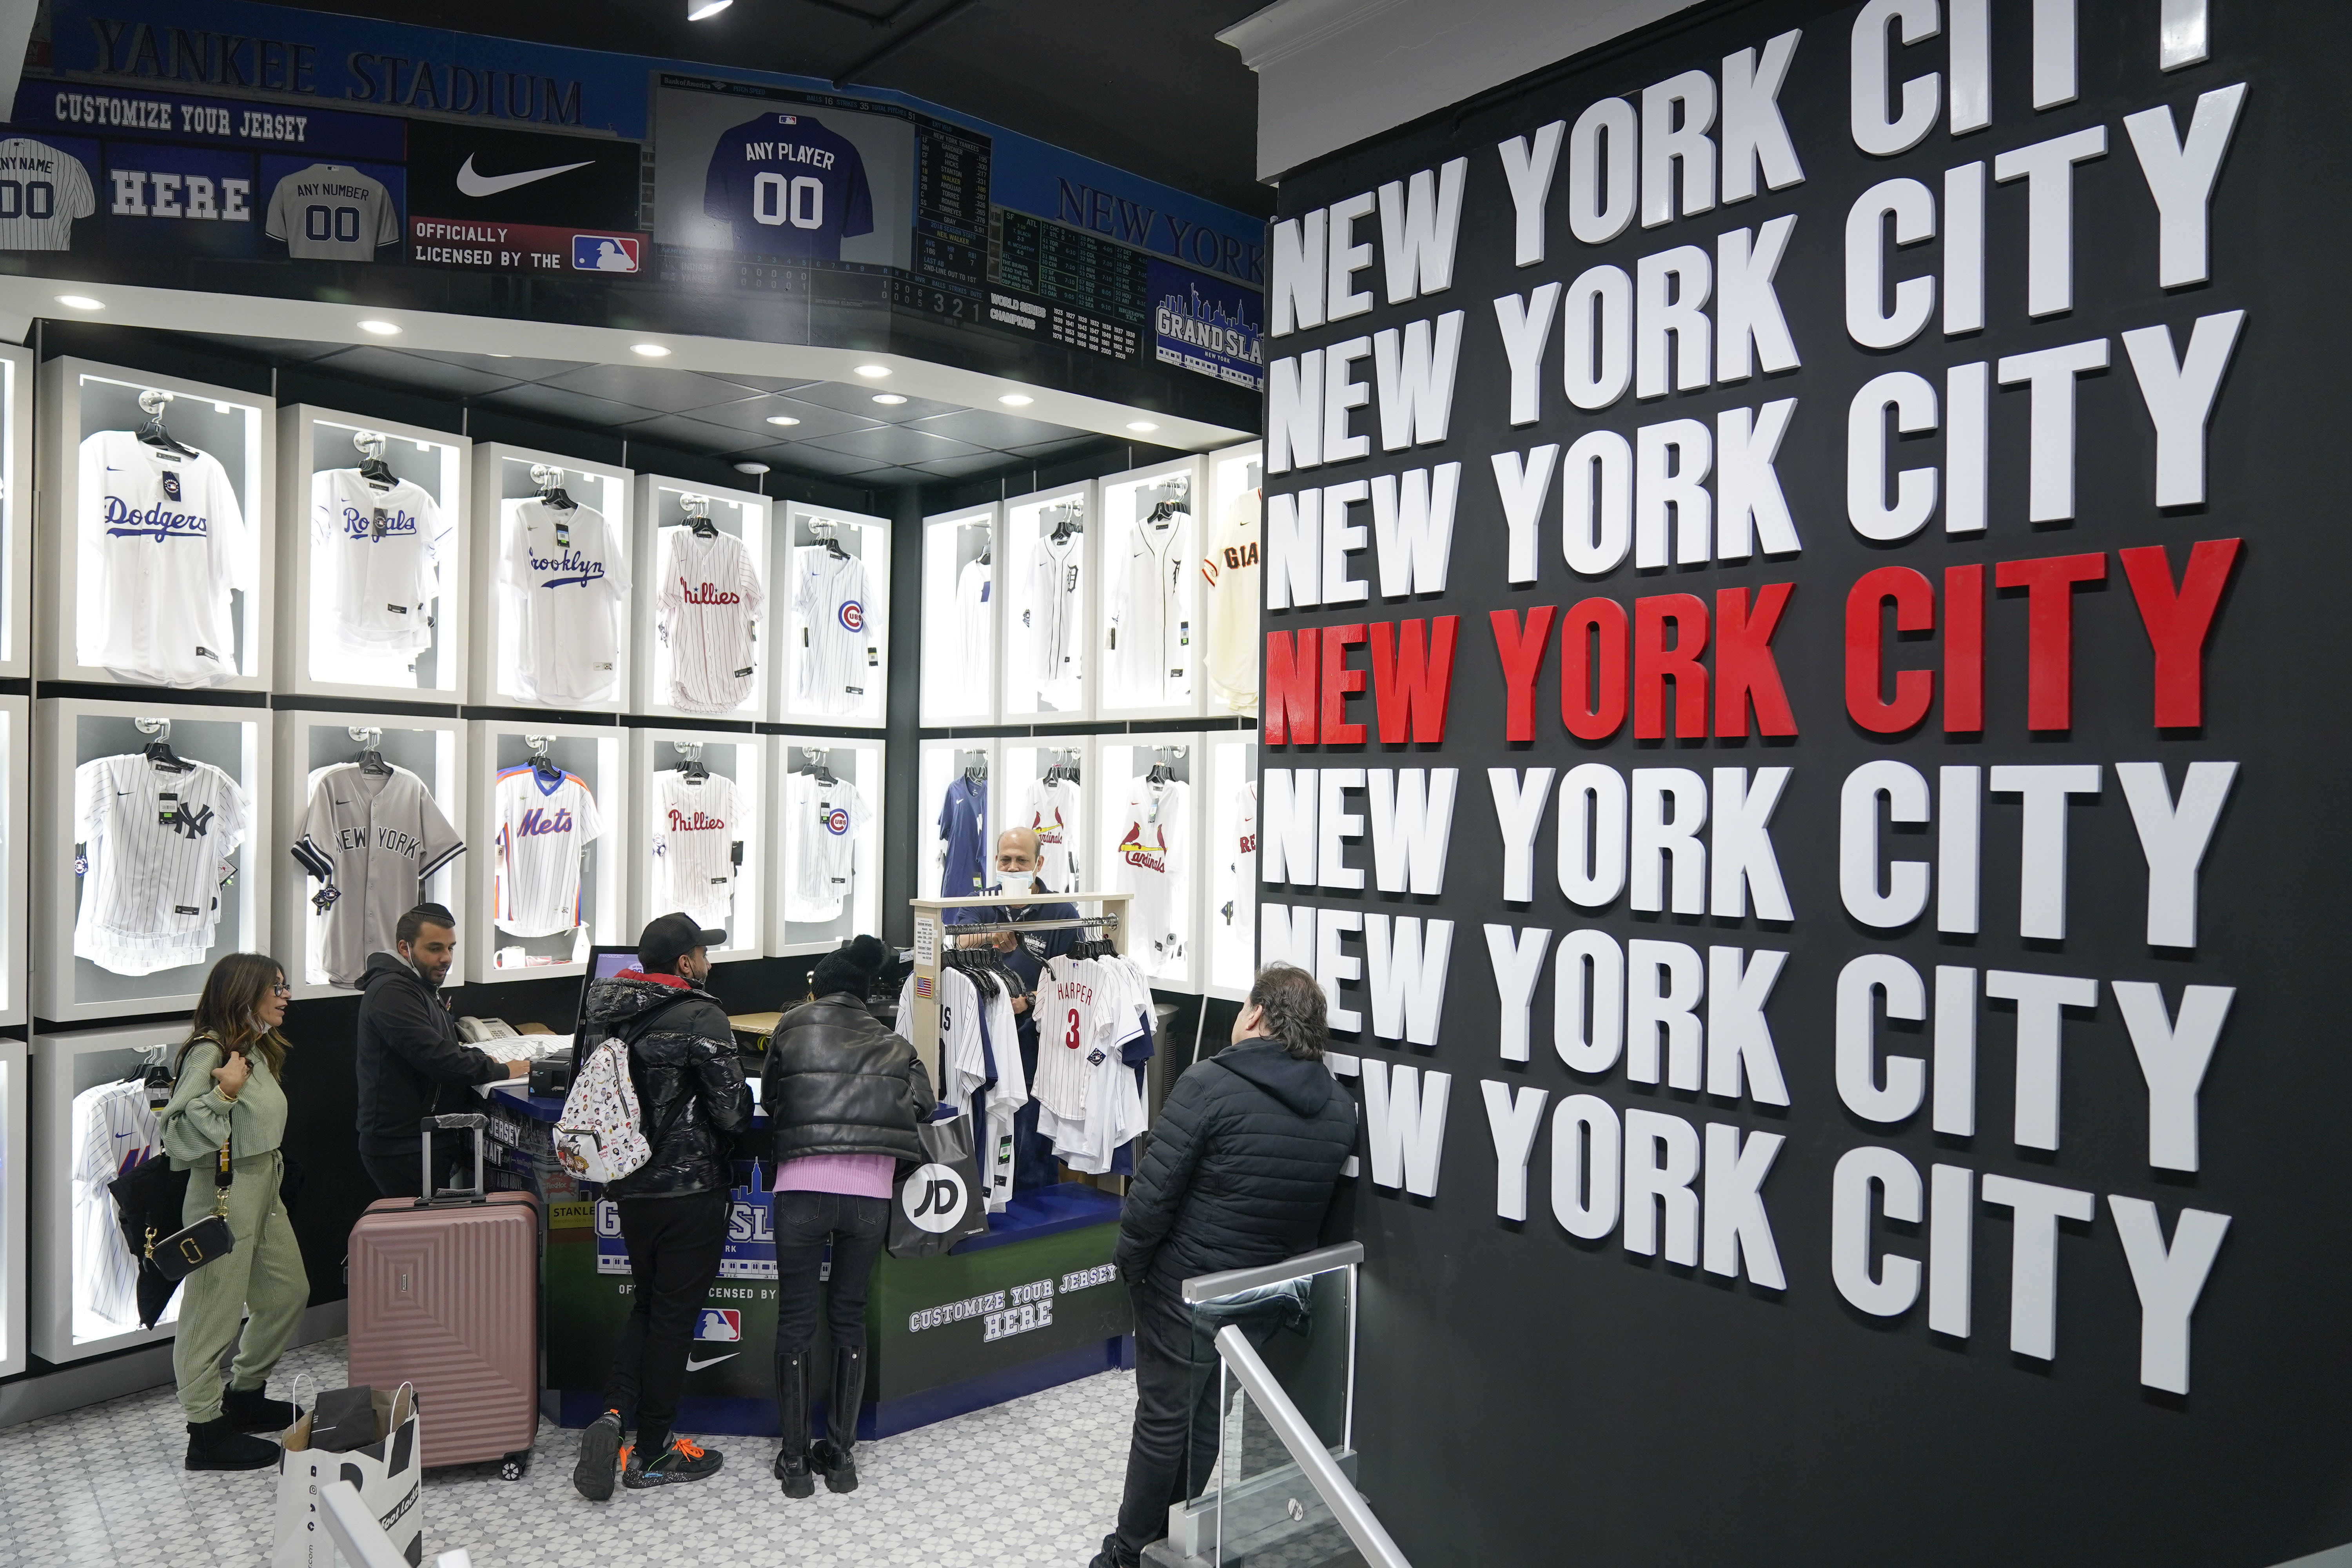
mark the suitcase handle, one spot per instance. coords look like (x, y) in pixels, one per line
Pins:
(479, 1192)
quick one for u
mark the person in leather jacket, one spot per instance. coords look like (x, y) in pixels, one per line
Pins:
(672, 1209)
(844, 1097)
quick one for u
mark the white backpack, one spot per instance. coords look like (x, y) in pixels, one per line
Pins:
(601, 1136)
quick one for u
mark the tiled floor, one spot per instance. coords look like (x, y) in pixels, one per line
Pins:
(1032, 1484)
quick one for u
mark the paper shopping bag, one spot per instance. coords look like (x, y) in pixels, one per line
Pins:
(385, 1473)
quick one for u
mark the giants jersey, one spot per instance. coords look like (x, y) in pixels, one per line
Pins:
(1152, 626)
(838, 653)
(42, 191)
(377, 555)
(788, 187)
(1056, 614)
(157, 842)
(1051, 812)
(710, 596)
(330, 212)
(565, 568)
(162, 543)
(371, 840)
(1230, 568)
(1150, 862)
(541, 829)
(822, 825)
(695, 827)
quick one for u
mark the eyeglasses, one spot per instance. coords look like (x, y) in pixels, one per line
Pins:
(281, 989)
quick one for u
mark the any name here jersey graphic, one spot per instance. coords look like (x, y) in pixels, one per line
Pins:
(788, 187)
(42, 191)
(163, 542)
(710, 601)
(543, 826)
(331, 212)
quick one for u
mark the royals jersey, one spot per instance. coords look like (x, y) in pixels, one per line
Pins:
(963, 830)
(156, 842)
(564, 566)
(838, 654)
(42, 191)
(331, 212)
(378, 555)
(163, 542)
(788, 187)
(1230, 570)
(823, 826)
(970, 677)
(1152, 862)
(541, 829)
(711, 597)
(371, 840)
(695, 827)
(1151, 650)
(1051, 812)
(1057, 615)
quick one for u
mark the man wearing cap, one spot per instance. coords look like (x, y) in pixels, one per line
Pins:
(672, 1209)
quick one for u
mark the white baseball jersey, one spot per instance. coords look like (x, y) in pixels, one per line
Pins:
(694, 829)
(1241, 894)
(1115, 1109)
(1051, 812)
(330, 212)
(162, 543)
(1150, 862)
(963, 1064)
(710, 600)
(1006, 1096)
(371, 840)
(1069, 990)
(970, 677)
(157, 843)
(42, 191)
(542, 828)
(1150, 617)
(377, 555)
(565, 568)
(822, 827)
(1055, 615)
(839, 655)
(1230, 570)
(113, 1131)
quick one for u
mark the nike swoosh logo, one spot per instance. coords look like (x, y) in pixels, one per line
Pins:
(694, 1366)
(474, 185)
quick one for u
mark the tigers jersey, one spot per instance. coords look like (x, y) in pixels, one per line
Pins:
(377, 555)
(541, 829)
(710, 598)
(1151, 861)
(1150, 614)
(1230, 570)
(370, 839)
(42, 191)
(1056, 612)
(565, 567)
(331, 213)
(157, 844)
(823, 824)
(1051, 812)
(696, 824)
(163, 542)
(838, 654)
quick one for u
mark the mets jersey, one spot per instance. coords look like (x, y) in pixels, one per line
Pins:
(1150, 619)
(1057, 615)
(371, 840)
(1230, 570)
(1150, 862)
(157, 843)
(42, 191)
(378, 555)
(565, 568)
(542, 828)
(711, 597)
(788, 187)
(822, 825)
(694, 829)
(838, 653)
(1051, 812)
(331, 212)
(162, 542)
(963, 830)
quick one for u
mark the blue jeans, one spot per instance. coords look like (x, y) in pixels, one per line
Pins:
(804, 1223)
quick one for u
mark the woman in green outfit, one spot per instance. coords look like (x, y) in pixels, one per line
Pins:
(228, 1092)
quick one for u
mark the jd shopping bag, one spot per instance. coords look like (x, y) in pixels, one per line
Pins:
(939, 1203)
(385, 1473)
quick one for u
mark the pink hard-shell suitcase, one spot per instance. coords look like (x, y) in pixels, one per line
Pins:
(444, 1295)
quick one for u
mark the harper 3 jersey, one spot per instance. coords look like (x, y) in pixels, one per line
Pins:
(696, 825)
(377, 553)
(788, 187)
(543, 826)
(707, 614)
(370, 839)
(823, 826)
(565, 568)
(156, 842)
(839, 655)
(162, 543)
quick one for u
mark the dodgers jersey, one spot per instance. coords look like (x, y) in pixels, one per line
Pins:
(42, 191)
(565, 568)
(378, 553)
(822, 825)
(542, 828)
(788, 187)
(157, 843)
(331, 212)
(1057, 615)
(963, 827)
(163, 542)
(1051, 812)
(1230, 568)
(1150, 862)
(695, 826)
(838, 652)
(711, 597)
(371, 841)
(1151, 655)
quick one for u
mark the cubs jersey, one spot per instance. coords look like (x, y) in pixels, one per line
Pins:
(838, 653)
(371, 840)
(789, 188)
(1051, 812)
(1152, 644)
(378, 555)
(330, 212)
(968, 678)
(541, 829)
(1150, 862)
(163, 542)
(114, 1131)
(565, 568)
(42, 191)
(822, 827)
(710, 598)
(1055, 614)
(1230, 570)
(963, 830)
(694, 829)
(156, 842)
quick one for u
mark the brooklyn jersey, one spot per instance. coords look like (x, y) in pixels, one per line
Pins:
(330, 212)
(1051, 812)
(371, 841)
(1151, 655)
(541, 830)
(711, 597)
(163, 542)
(838, 653)
(565, 568)
(157, 843)
(788, 187)
(378, 553)
(1230, 570)
(42, 191)
(1057, 615)
(1150, 863)
(823, 826)
(696, 825)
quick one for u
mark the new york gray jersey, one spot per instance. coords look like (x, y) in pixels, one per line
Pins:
(371, 841)
(157, 844)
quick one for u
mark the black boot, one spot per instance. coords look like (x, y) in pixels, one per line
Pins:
(833, 1456)
(252, 1410)
(791, 1422)
(217, 1444)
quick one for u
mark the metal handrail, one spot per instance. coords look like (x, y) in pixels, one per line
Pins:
(1347, 1505)
(1208, 1286)
(361, 1540)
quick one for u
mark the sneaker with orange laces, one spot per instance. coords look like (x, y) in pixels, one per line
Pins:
(679, 1460)
(600, 1444)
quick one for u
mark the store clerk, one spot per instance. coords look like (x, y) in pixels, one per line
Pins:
(1017, 862)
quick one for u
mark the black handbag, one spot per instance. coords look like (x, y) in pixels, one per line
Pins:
(148, 1197)
(182, 1253)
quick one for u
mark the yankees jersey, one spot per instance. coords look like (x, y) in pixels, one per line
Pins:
(788, 187)
(1150, 862)
(156, 842)
(1230, 568)
(162, 542)
(1241, 896)
(823, 824)
(963, 1061)
(42, 191)
(696, 824)
(1057, 615)
(1051, 812)
(331, 212)
(711, 597)
(542, 828)
(371, 840)
(114, 1132)
(839, 651)
(1151, 657)
(964, 827)
(377, 555)
(968, 680)
(565, 568)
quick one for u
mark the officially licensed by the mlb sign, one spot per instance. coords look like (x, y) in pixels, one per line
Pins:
(522, 247)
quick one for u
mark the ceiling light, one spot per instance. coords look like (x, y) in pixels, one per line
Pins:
(381, 328)
(751, 467)
(781, 420)
(502, 356)
(1016, 400)
(892, 398)
(651, 350)
(1142, 426)
(81, 302)
(703, 10)
(874, 371)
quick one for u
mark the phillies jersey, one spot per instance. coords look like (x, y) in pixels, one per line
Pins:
(541, 829)
(711, 597)
(696, 824)
(963, 829)
(822, 825)
(371, 840)
(1150, 862)
(42, 191)
(564, 566)
(378, 555)
(1068, 993)
(163, 542)
(788, 187)
(1057, 615)
(157, 843)
(838, 653)
(331, 212)
(1152, 628)
(1230, 570)
(1051, 812)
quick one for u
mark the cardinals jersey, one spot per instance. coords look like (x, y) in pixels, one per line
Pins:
(789, 188)
(163, 542)
(710, 598)
(565, 567)
(331, 212)
(1230, 570)
(42, 191)
(696, 825)
(1150, 614)
(376, 556)
(839, 654)
(824, 825)
(1151, 861)
(1051, 812)
(541, 829)
(370, 839)
(1056, 614)
(157, 843)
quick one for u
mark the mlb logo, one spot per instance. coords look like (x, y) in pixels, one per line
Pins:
(723, 1324)
(604, 253)
(171, 485)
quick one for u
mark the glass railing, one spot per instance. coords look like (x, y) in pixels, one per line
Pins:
(360, 1539)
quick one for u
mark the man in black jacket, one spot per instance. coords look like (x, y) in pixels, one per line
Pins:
(1240, 1173)
(410, 1063)
(691, 1095)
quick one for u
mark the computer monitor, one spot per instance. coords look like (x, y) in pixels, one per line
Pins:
(603, 963)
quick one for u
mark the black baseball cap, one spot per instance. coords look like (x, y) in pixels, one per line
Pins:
(671, 937)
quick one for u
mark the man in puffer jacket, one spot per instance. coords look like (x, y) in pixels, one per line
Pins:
(1239, 1174)
(691, 1095)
